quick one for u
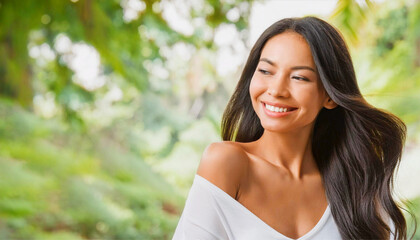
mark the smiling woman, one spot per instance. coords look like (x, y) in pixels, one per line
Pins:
(304, 156)
(286, 83)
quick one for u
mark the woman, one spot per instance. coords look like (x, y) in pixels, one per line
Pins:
(304, 156)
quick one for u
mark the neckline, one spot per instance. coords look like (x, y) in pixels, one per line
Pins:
(321, 222)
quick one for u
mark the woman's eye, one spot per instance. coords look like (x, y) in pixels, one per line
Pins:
(263, 71)
(300, 78)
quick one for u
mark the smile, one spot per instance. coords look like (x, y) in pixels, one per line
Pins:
(278, 111)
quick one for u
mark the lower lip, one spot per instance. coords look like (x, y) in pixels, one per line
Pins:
(276, 114)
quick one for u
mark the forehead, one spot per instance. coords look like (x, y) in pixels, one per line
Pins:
(288, 48)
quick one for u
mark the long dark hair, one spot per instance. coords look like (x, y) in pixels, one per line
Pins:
(356, 146)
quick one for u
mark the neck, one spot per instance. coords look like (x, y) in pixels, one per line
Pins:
(290, 151)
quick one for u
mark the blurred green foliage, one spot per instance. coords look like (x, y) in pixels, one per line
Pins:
(386, 54)
(415, 207)
(115, 160)
(112, 161)
(56, 183)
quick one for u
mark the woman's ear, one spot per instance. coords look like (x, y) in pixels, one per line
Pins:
(329, 103)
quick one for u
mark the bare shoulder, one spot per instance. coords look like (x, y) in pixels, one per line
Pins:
(224, 164)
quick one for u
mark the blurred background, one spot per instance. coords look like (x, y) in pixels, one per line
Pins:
(106, 106)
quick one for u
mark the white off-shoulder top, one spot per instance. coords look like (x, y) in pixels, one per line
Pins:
(210, 214)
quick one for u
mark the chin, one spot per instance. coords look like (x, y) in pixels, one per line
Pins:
(274, 128)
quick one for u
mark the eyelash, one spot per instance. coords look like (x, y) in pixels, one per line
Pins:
(300, 78)
(265, 72)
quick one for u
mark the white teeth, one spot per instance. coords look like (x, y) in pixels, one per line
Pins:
(275, 109)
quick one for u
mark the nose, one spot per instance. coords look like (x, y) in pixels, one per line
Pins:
(279, 87)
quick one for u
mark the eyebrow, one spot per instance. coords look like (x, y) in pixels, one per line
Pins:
(293, 68)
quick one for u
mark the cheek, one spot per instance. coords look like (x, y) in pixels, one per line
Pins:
(256, 88)
(311, 98)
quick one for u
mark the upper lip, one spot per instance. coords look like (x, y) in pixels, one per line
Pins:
(278, 105)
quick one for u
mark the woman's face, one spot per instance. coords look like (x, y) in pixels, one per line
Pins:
(285, 90)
